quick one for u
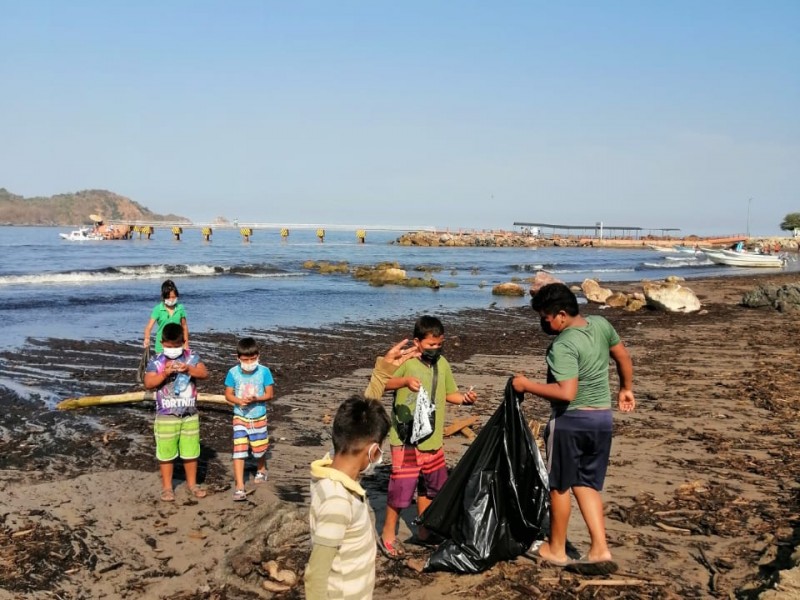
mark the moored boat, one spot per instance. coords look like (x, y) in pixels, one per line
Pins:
(84, 234)
(744, 259)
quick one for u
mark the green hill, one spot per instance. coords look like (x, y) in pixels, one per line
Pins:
(74, 209)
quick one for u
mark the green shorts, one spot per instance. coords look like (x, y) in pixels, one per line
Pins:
(177, 436)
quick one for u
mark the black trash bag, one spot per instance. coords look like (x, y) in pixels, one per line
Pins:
(495, 503)
(142, 365)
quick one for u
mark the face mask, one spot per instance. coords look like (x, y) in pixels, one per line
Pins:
(170, 303)
(173, 353)
(370, 468)
(431, 355)
(248, 367)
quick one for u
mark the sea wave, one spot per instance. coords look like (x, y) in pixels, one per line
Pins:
(676, 264)
(141, 272)
(566, 271)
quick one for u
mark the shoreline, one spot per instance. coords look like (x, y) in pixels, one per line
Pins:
(716, 416)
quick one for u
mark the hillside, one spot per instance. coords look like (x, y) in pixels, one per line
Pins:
(74, 209)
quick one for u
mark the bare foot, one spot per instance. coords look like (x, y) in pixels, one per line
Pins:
(546, 553)
(416, 564)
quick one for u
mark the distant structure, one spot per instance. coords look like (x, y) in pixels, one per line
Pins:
(597, 231)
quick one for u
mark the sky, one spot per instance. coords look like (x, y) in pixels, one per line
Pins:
(467, 114)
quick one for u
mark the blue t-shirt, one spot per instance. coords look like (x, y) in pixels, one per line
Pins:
(249, 384)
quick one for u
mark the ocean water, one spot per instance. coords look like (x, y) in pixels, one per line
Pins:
(51, 287)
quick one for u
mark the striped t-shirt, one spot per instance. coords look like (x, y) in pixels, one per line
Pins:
(340, 518)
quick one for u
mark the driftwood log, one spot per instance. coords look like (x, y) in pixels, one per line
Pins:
(83, 401)
(462, 426)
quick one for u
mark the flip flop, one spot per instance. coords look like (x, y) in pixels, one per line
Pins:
(392, 550)
(167, 496)
(535, 556)
(198, 492)
(584, 566)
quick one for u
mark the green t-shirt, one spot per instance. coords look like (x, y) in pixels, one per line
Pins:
(405, 401)
(583, 352)
(161, 316)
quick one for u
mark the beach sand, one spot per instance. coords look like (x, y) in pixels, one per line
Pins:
(701, 495)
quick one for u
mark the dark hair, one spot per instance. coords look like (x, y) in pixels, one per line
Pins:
(167, 288)
(427, 325)
(359, 422)
(172, 332)
(552, 298)
(247, 346)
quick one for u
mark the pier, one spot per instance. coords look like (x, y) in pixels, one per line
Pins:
(118, 229)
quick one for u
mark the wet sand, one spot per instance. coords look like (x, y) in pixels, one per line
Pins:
(701, 497)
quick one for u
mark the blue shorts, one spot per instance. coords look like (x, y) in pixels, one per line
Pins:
(578, 444)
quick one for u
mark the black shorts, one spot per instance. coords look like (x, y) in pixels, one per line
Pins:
(578, 445)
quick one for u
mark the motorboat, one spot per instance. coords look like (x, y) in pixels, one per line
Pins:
(733, 258)
(686, 249)
(84, 234)
(662, 248)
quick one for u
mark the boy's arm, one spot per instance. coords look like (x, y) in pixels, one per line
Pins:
(395, 383)
(381, 374)
(152, 379)
(564, 391)
(625, 399)
(318, 570)
(230, 395)
(467, 397)
(269, 394)
(197, 371)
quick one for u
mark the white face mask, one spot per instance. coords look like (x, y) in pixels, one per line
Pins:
(170, 303)
(373, 464)
(248, 367)
(173, 352)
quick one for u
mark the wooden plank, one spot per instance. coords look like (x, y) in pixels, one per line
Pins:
(459, 424)
(83, 401)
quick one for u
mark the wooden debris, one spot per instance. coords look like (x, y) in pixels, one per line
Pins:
(459, 425)
(83, 401)
(671, 529)
(618, 583)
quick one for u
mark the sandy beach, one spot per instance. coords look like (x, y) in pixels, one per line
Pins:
(702, 495)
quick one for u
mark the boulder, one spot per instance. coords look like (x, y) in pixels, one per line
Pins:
(784, 298)
(674, 279)
(635, 304)
(594, 293)
(617, 300)
(508, 289)
(671, 297)
(541, 279)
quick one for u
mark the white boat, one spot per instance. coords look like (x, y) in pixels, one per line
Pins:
(744, 259)
(84, 234)
(686, 249)
(662, 248)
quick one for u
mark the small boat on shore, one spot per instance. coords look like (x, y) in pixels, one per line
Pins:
(744, 259)
(84, 234)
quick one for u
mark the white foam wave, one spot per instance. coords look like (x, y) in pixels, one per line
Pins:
(567, 271)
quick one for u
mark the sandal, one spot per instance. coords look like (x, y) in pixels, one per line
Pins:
(393, 550)
(261, 477)
(167, 496)
(239, 496)
(198, 492)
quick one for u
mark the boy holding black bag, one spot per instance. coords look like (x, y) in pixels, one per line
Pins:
(416, 437)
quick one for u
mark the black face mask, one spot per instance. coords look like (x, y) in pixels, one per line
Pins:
(431, 355)
(546, 327)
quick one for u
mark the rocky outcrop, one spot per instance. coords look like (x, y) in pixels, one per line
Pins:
(497, 239)
(671, 297)
(595, 293)
(784, 298)
(508, 289)
(541, 279)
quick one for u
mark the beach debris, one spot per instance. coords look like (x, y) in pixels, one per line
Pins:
(670, 297)
(272, 586)
(84, 401)
(462, 426)
(508, 289)
(286, 576)
(594, 292)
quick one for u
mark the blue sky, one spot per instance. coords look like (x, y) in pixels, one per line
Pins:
(454, 114)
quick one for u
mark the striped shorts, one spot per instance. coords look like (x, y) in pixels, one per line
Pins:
(407, 464)
(250, 434)
(177, 436)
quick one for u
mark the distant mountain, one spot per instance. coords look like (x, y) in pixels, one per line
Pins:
(74, 209)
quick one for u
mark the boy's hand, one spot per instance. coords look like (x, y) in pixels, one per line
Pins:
(519, 382)
(470, 396)
(626, 400)
(412, 383)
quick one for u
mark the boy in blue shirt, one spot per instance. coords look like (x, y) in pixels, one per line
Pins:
(248, 387)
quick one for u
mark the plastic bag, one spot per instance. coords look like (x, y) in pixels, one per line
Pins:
(495, 503)
(423, 411)
(142, 365)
